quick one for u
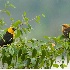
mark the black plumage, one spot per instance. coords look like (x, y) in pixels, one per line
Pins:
(7, 39)
(66, 32)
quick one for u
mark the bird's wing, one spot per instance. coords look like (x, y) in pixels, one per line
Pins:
(2, 42)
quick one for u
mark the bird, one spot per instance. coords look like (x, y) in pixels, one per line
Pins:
(7, 37)
(66, 30)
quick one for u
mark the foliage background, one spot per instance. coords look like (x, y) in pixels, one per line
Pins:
(56, 12)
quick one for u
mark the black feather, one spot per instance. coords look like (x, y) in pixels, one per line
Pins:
(66, 32)
(7, 39)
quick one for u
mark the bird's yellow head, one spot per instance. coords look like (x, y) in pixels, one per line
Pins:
(65, 26)
(11, 30)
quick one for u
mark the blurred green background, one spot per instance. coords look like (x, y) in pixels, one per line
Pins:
(57, 12)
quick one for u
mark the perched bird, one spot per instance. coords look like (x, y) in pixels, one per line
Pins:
(66, 30)
(8, 37)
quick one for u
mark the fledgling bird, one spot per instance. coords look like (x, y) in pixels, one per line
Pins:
(8, 37)
(66, 30)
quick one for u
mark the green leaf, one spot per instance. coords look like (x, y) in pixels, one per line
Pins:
(26, 19)
(52, 61)
(68, 58)
(34, 52)
(17, 23)
(43, 15)
(19, 32)
(19, 53)
(12, 19)
(23, 56)
(3, 51)
(37, 19)
(62, 57)
(11, 5)
(3, 56)
(36, 65)
(61, 37)
(11, 50)
(3, 59)
(28, 62)
(8, 12)
(69, 35)
(24, 49)
(55, 65)
(25, 30)
(46, 37)
(29, 53)
(32, 40)
(41, 64)
(19, 66)
(24, 13)
(2, 22)
(9, 60)
(60, 51)
(63, 65)
(11, 66)
(29, 26)
(33, 61)
(65, 44)
(43, 54)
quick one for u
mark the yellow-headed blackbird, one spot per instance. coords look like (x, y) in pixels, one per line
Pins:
(66, 30)
(8, 37)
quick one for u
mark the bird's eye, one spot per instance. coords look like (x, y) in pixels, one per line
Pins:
(13, 29)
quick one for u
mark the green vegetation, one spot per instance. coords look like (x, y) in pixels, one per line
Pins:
(32, 53)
